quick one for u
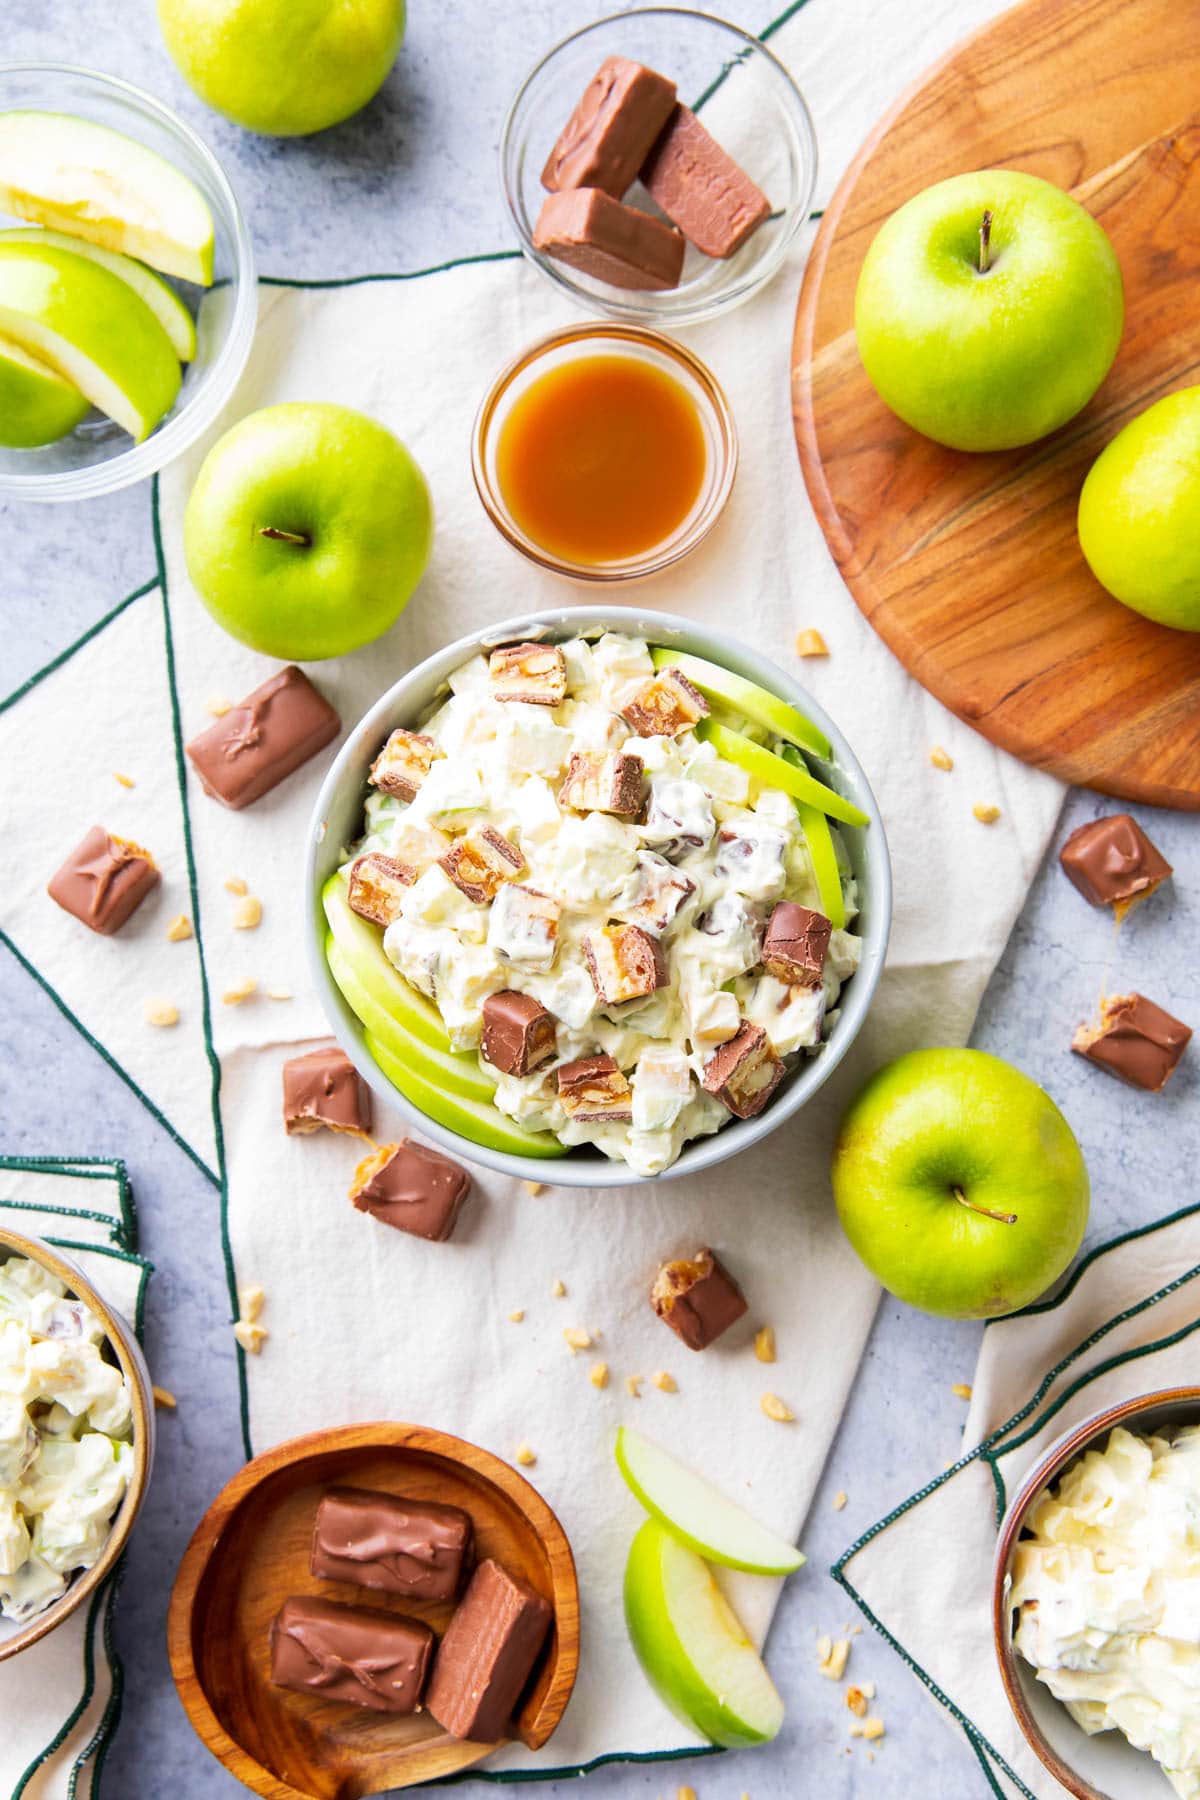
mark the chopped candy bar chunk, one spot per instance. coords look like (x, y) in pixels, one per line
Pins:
(751, 857)
(479, 862)
(323, 1088)
(104, 881)
(796, 943)
(599, 236)
(700, 187)
(256, 744)
(377, 886)
(626, 963)
(1138, 1042)
(593, 1091)
(665, 706)
(680, 816)
(523, 927)
(356, 1655)
(654, 893)
(698, 1298)
(404, 762)
(534, 673)
(518, 1032)
(1112, 862)
(612, 130)
(411, 1188)
(744, 1073)
(603, 781)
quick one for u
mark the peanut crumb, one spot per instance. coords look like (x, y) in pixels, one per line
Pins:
(235, 885)
(633, 1386)
(534, 1187)
(811, 643)
(834, 1658)
(278, 993)
(525, 1456)
(856, 1700)
(245, 990)
(667, 1383)
(180, 928)
(962, 1390)
(558, 1290)
(598, 1375)
(248, 914)
(250, 1302)
(685, 1793)
(840, 1499)
(125, 781)
(873, 1729)
(868, 1688)
(217, 706)
(161, 1012)
(165, 1398)
(250, 1337)
(774, 1408)
(855, 1631)
(987, 815)
(517, 1314)
(577, 1338)
(941, 759)
(764, 1344)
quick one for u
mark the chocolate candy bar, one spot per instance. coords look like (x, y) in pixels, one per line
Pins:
(487, 1654)
(323, 1088)
(609, 135)
(1135, 1040)
(1113, 863)
(377, 885)
(411, 1188)
(665, 705)
(625, 963)
(593, 1091)
(518, 1032)
(796, 944)
(523, 927)
(479, 862)
(744, 1073)
(404, 762)
(602, 237)
(698, 1298)
(104, 881)
(700, 187)
(263, 739)
(654, 893)
(535, 674)
(603, 781)
(414, 1547)
(356, 1654)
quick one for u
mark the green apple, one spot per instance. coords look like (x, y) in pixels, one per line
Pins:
(92, 329)
(307, 530)
(361, 945)
(960, 1184)
(83, 178)
(821, 849)
(162, 300)
(284, 67)
(691, 1644)
(774, 772)
(698, 1513)
(455, 1071)
(36, 405)
(989, 309)
(477, 1121)
(744, 697)
(1139, 513)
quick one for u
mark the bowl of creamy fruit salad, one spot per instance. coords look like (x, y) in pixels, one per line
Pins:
(597, 896)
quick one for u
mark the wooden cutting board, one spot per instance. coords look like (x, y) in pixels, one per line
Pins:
(969, 566)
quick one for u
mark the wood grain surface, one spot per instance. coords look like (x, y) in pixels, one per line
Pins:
(969, 566)
(250, 1553)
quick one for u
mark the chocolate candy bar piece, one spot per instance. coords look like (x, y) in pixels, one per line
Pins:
(593, 1091)
(603, 781)
(356, 1654)
(535, 674)
(1135, 1040)
(609, 135)
(487, 1654)
(744, 1072)
(698, 1298)
(104, 881)
(625, 963)
(796, 944)
(518, 1032)
(665, 705)
(479, 862)
(414, 1547)
(263, 739)
(411, 1188)
(377, 885)
(700, 187)
(523, 927)
(323, 1088)
(654, 893)
(404, 762)
(602, 237)
(1113, 863)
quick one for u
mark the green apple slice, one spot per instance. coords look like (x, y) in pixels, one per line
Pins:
(691, 1644)
(745, 697)
(698, 1513)
(36, 405)
(90, 328)
(162, 300)
(477, 1122)
(772, 771)
(362, 946)
(76, 176)
(456, 1071)
(819, 839)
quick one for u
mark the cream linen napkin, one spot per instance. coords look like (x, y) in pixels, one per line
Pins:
(60, 1700)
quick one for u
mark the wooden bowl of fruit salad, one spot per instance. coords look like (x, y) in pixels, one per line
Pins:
(578, 834)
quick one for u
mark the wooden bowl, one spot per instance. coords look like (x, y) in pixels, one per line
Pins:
(128, 1354)
(250, 1553)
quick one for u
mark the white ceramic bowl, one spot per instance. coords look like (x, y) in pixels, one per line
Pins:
(337, 823)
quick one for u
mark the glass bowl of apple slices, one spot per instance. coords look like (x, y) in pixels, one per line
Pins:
(127, 284)
(622, 894)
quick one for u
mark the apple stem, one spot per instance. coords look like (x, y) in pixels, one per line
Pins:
(984, 1211)
(285, 537)
(985, 242)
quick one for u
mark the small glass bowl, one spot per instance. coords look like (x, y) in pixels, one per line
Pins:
(744, 96)
(98, 457)
(601, 338)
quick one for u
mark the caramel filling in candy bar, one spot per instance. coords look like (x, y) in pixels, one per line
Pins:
(263, 739)
(1113, 863)
(533, 673)
(1138, 1042)
(518, 1033)
(418, 1548)
(324, 1089)
(625, 962)
(404, 762)
(603, 781)
(612, 129)
(523, 927)
(356, 1654)
(744, 1073)
(613, 242)
(796, 944)
(666, 705)
(412, 1189)
(487, 1654)
(104, 881)
(698, 1298)
(593, 1091)
(377, 885)
(700, 187)
(479, 862)
(654, 893)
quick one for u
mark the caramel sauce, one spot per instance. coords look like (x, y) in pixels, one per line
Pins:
(601, 458)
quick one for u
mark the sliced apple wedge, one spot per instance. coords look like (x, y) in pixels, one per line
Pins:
(691, 1644)
(745, 697)
(456, 1071)
(477, 1122)
(819, 839)
(698, 1513)
(36, 405)
(76, 176)
(774, 772)
(162, 300)
(362, 946)
(91, 329)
